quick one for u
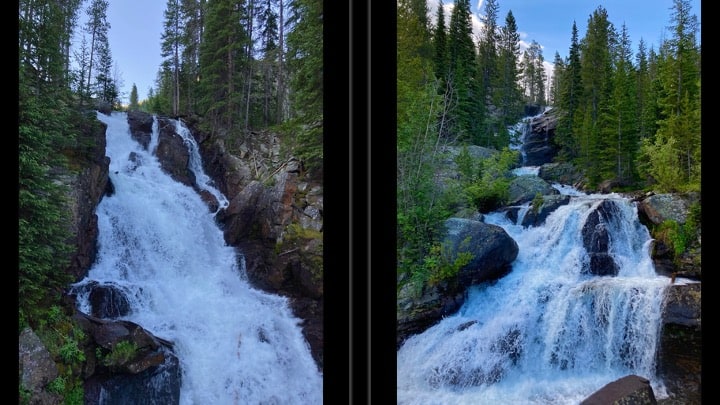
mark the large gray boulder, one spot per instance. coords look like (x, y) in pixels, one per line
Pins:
(524, 188)
(658, 208)
(492, 252)
(491, 248)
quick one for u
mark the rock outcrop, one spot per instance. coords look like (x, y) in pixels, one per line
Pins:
(492, 252)
(679, 361)
(631, 389)
(145, 371)
(539, 146)
(37, 369)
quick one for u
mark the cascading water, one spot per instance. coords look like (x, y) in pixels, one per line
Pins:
(549, 332)
(158, 241)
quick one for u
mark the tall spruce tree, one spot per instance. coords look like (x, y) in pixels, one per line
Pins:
(570, 94)
(96, 28)
(508, 94)
(134, 103)
(491, 132)
(462, 75)
(171, 49)
(558, 69)
(440, 44)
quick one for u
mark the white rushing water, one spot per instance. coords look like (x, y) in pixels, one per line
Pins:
(546, 333)
(159, 241)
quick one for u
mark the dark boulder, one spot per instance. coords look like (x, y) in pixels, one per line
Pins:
(629, 390)
(596, 240)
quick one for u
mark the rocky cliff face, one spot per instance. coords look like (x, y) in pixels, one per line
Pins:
(274, 219)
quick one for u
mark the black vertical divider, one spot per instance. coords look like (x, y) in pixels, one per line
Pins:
(359, 204)
(336, 204)
(383, 183)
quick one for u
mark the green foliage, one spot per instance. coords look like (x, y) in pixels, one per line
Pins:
(441, 266)
(134, 99)
(120, 354)
(24, 395)
(661, 162)
(305, 58)
(680, 237)
(75, 394)
(57, 386)
(70, 352)
(489, 190)
(537, 202)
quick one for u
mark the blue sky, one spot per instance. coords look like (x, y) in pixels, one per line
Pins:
(135, 30)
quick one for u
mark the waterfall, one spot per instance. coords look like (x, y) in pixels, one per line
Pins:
(158, 242)
(548, 332)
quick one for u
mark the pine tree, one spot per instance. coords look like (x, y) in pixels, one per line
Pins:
(134, 105)
(171, 49)
(646, 111)
(46, 132)
(192, 14)
(440, 44)
(487, 63)
(570, 94)
(97, 28)
(269, 65)
(558, 69)
(462, 74)
(534, 74)
(508, 94)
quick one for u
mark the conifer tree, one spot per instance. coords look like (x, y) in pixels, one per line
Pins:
(558, 69)
(221, 61)
(171, 49)
(570, 94)
(679, 101)
(462, 74)
(487, 63)
(440, 44)
(596, 71)
(134, 105)
(508, 94)
(620, 131)
(646, 111)
(96, 28)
